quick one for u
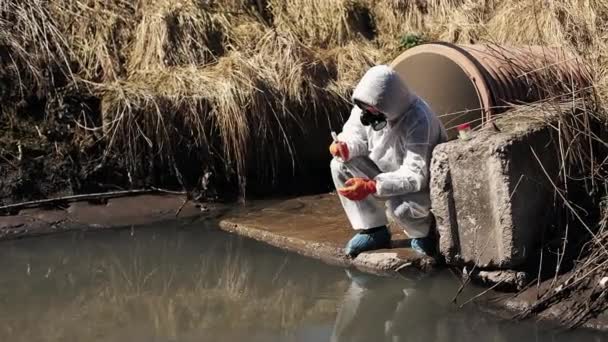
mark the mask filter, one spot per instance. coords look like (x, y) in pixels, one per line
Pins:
(377, 121)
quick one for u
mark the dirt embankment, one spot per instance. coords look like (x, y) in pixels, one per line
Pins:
(44, 154)
(40, 156)
(222, 96)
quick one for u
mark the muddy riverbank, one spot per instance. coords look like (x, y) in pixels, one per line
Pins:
(115, 213)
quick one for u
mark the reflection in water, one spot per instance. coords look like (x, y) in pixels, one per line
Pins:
(158, 284)
(404, 310)
(420, 309)
(199, 284)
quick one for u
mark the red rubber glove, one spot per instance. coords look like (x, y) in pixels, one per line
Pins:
(339, 149)
(358, 188)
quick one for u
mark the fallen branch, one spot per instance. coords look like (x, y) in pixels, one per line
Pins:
(480, 294)
(85, 197)
(181, 207)
(165, 191)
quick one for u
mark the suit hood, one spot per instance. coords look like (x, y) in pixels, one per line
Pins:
(384, 89)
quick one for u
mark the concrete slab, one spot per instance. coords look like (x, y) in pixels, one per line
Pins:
(492, 195)
(316, 226)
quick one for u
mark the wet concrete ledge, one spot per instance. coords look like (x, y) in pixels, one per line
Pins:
(316, 226)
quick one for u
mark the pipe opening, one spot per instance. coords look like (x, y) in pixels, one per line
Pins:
(470, 83)
(444, 85)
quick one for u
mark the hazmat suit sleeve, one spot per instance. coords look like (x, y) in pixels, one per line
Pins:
(413, 174)
(354, 135)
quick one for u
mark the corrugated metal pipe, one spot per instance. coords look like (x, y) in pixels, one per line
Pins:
(471, 83)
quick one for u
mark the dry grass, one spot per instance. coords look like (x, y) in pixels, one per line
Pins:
(216, 67)
(323, 23)
(96, 33)
(176, 34)
(221, 75)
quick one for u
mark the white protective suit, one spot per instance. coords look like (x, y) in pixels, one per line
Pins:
(401, 152)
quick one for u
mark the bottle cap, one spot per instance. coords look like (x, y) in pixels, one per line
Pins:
(464, 126)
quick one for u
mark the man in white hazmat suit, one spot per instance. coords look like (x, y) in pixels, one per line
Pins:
(383, 155)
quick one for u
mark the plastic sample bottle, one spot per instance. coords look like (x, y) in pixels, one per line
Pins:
(464, 131)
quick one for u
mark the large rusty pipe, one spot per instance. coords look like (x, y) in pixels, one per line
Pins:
(471, 83)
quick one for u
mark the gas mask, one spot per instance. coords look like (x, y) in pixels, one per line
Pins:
(377, 121)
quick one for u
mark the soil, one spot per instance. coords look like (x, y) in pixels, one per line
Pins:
(560, 314)
(40, 157)
(115, 213)
(44, 156)
(48, 149)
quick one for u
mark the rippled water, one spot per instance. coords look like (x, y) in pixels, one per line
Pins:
(194, 283)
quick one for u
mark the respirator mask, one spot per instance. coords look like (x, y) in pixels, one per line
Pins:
(377, 121)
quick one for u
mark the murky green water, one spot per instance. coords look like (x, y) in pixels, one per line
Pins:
(197, 284)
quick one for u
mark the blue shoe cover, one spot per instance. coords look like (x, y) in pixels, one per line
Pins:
(367, 240)
(423, 245)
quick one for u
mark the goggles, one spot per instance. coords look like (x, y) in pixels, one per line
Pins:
(376, 120)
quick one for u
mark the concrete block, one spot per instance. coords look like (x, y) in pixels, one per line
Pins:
(492, 196)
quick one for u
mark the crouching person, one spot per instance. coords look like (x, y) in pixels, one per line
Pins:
(383, 155)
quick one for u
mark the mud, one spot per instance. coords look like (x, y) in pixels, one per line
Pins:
(116, 213)
(44, 152)
(511, 306)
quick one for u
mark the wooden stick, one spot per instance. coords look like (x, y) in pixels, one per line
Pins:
(165, 191)
(181, 207)
(480, 294)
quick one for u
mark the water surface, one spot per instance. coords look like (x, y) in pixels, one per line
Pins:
(195, 283)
